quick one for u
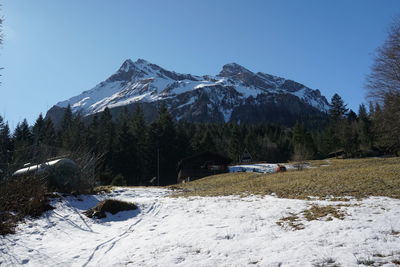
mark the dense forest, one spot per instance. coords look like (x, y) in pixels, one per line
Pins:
(127, 149)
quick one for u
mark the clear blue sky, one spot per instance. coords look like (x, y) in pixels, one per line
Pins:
(54, 50)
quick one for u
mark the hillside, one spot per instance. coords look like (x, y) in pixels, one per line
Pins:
(332, 178)
(236, 94)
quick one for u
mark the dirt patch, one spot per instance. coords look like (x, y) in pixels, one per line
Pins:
(316, 212)
(291, 222)
(109, 205)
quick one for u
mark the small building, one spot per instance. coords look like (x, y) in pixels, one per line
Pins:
(202, 165)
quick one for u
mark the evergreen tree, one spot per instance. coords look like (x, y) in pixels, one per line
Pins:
(365, 128)
(106, 145)
(5, 147)
(66, 134)
(337, 114)
(352, 116)
(235, 143)
(207, 143)
(337, 109)
(139, 130)
(162, 145)
(93, 136)
(125, 154)
(303, 143)
(38, 132)
(106, 131)
(22, 143)
(49, 133)
(252, 144)
(350, 138)
(138, 123)
(43, 136)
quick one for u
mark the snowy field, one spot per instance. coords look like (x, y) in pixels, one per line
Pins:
(209, 231)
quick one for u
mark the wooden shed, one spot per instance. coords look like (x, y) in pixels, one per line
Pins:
(202, 165)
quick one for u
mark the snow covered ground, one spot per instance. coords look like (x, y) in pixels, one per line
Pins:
(205, 231)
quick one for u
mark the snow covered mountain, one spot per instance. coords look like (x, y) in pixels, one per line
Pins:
(235, 94)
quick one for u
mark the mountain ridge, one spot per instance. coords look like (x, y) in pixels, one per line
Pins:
(195, 98)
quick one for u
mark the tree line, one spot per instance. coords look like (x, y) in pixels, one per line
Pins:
(131, 151)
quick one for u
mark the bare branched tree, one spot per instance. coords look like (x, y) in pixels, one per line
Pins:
(385, 74)
(1, 34)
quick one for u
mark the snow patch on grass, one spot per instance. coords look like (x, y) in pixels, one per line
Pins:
(206, 231)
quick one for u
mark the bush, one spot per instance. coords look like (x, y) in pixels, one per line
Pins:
(64, 176)
(21, 197)
(109, 205)
(118, 180)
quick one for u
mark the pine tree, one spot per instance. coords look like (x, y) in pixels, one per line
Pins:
(66, 134)
(93, 136)
(350, 138)
(303, 144)
(162, 141)
(5, 147)
(22, 143)
(252, 144)
(49, 133)
(106, 130)
(351, 116)
(365, 128)
(337, 109)
(337, 114)
(139, 130)
(106, 146)
(235, 143)
(38, 130)
(41, 149)
(207, 143)
(125, 154)
(138, 123)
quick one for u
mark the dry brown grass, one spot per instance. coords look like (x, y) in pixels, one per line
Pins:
(112, 206)
(316, 212)
(343, 177)
(291, 222)
(103, 189)
(20, 198)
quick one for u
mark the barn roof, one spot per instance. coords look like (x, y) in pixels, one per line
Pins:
(205, 155)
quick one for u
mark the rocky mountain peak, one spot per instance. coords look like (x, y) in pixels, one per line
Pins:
(142, 61)
(127, 65)
(233, 69)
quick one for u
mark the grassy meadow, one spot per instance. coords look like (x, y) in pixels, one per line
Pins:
(327, 179)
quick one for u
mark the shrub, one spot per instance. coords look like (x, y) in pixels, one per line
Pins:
(21, 197)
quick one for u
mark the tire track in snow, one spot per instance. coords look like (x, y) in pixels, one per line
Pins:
(152, 211)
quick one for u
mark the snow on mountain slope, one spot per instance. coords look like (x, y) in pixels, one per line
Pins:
(142, 81)
(206, 231)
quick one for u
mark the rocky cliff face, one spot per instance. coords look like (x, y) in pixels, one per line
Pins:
(234, 95)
